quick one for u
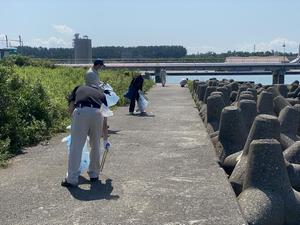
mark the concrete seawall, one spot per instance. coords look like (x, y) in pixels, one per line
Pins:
(162, 169)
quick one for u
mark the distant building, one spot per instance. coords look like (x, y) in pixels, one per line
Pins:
(7, 51)
(82, 49)
(257, 59)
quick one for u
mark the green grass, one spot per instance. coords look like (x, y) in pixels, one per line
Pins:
(59, 82)
(37, 99)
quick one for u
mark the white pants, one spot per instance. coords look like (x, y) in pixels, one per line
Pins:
(163, 79)
(86, 122)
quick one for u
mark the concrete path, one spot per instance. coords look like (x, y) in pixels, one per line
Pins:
(160, 170)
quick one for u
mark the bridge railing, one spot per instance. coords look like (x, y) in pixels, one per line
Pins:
(127, 60)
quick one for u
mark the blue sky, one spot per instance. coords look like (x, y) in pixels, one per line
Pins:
(198, 25)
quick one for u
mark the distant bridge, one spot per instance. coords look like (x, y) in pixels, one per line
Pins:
(278, 70)
(218, 73)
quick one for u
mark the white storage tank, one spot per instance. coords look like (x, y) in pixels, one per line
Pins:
(82, 49)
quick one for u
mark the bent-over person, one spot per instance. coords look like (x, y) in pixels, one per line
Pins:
(87, 120)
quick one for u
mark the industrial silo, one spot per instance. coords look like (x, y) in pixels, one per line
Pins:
(82, 49)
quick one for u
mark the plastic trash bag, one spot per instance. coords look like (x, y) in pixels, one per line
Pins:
(85, 158)
(112, 98)
(106, 86)
(142, 102)
(105, 111)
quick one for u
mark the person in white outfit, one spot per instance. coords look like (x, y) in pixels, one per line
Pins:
(163, 77)
(92, 76)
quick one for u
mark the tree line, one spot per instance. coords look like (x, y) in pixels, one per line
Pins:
(175, 53)
(220, 57)
(107, 52)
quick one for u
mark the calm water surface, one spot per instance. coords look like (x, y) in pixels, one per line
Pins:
(264, 79)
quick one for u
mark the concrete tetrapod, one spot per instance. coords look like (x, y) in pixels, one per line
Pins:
(279, 104)
(201, 91)
(213, 82)
(232, 135)
(226, 94)
(294, 86)
(248, 110)
(267, 197)
(297, 107)
(208, 91)
(246, 92)
(203, 111)
(265, 103)
(246, 96)
(231, 161)
(292, 154)
(293, 101)
(229, 88)
(241, 89)
(289, 122)
(233, 96)
(264, 127)
(217, 93)
(234, 86)
(195, 84)
(282, 89)
(215, 105)
(254, 93)
(294, 93)
(274, 91)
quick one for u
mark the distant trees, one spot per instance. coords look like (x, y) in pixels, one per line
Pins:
(174, 53)
(140, 52)
(108, 52)
(220, 57)
(55, 53)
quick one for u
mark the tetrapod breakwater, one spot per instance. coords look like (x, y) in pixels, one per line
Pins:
(255, 130)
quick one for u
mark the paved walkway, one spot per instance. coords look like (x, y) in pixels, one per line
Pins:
(160, 170)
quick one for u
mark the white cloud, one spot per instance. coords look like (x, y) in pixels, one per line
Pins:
(275, 44)
(63, 29)
(51, 42)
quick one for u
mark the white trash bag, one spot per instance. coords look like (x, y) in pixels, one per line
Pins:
(112, 98)
(105, 111)
(85, 158)
(142, 102)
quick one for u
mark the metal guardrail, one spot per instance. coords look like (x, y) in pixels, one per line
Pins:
(126, 60)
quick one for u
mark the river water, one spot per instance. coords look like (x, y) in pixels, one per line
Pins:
(263, 79)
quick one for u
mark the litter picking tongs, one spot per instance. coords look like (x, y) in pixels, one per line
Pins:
(103, 160)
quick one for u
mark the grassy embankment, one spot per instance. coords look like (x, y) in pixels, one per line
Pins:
(33, 102)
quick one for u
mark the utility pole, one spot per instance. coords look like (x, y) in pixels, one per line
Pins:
(20, 41)
(254, 48)
(6, 40)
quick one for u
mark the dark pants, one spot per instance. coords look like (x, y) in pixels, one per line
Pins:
(135, 97)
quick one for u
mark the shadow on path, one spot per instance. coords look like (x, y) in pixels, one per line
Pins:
(141, 115)
(97, 191)
(113, 131)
